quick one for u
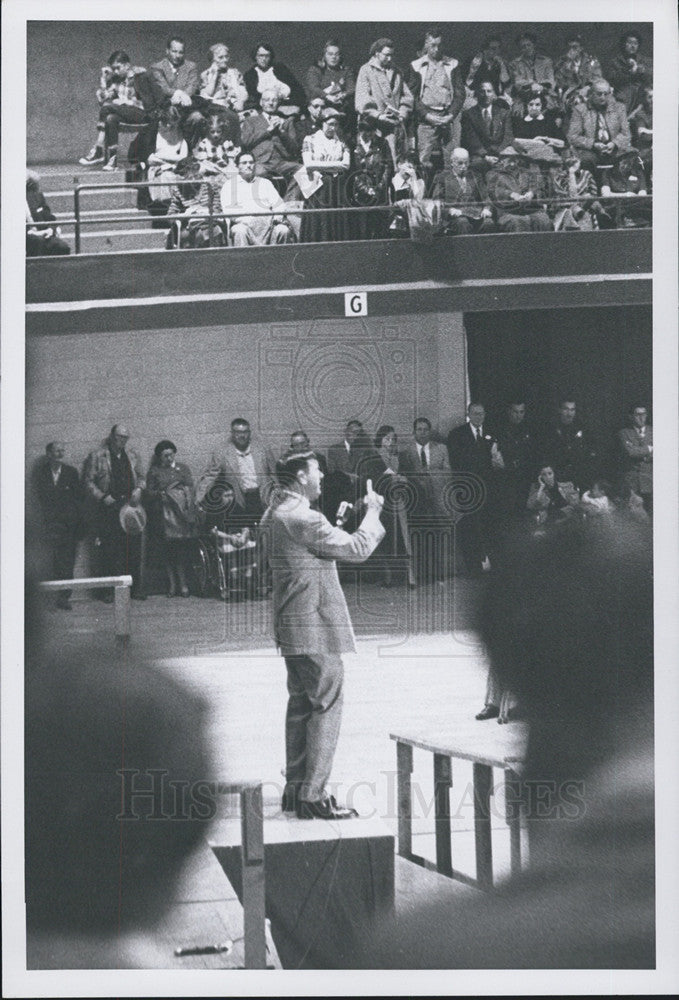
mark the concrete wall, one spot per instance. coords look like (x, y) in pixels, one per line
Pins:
(64, 58)
(187, 384)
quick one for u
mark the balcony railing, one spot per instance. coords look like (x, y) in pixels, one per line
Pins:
(617, 207)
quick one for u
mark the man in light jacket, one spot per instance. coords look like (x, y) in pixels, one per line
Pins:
(312, 626)
(436, 83)
(599, 129)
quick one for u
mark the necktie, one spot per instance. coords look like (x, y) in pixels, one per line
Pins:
(486, 115)
(423, 457)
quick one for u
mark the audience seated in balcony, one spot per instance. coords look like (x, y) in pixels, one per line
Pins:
(515, 188)
(271, 139)
(539, 122)
(469, 211)
(311, 121)
(333, 82)
(629, 71)
(327, 159)
(42, 237)
(246, 191)
(641, 124)
(216, 153)
(191, 197)
(267, 75)
(221, 83)
(576, 69)
(598, 129)
(176, 83)
(572, 181)
(530, 66)
(381, 85)
(488, 64)
(171, 148)
(120, 100)
(435, 81)
(486, 128)
(369, 182)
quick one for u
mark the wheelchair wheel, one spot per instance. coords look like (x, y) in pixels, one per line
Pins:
(200, 564)
(222, 582)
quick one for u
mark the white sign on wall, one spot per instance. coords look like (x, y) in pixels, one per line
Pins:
(356, 304)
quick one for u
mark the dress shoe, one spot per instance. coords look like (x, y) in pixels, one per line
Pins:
(324, 809)
(488, 712)
(64, 604)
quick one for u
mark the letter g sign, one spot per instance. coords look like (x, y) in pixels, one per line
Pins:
(356, 304)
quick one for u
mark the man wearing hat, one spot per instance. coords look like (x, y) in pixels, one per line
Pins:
(515, 187)
(114, 479)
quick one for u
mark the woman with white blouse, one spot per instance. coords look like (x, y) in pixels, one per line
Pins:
(327, 156)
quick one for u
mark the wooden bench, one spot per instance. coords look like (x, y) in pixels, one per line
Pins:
(121, 596)
(482, 766)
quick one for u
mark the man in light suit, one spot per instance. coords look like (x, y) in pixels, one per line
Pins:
(636, 443)
(425, 464)
(312, 626)
(245, 465)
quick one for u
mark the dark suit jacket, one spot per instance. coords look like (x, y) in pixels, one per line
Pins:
(478, 139)
(270, 149)
(61, 505)
(467, 454)
(430, 483)
(447, 186)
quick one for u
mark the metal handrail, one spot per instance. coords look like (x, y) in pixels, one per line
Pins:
(78, 222)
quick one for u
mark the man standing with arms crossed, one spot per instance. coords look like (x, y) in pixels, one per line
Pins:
(312, 626)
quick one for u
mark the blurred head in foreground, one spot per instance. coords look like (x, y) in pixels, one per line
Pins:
(102, 857)
(568, 623)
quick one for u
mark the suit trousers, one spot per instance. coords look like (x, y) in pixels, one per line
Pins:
(312, 721)
(62, 543)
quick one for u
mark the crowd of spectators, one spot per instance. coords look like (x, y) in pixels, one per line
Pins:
(481, 482)
(547, 138)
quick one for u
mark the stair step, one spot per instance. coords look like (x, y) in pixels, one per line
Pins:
(62, 200)
(111, 241)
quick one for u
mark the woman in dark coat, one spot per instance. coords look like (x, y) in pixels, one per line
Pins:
(169, 486)
(381, 465)
(267, 74)
(369, 182)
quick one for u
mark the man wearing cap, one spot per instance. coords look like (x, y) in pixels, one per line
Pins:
(60, 495)
(515, 187)
(312, 626)
(486, 128)
(114, 479)
(470, 212)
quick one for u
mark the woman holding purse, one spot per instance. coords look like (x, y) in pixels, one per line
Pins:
(169, 485)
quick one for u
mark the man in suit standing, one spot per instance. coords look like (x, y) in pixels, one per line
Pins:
(247, 466)
(636, 443)
(569, 447)
(486, 128)
(60, 495)
(312, 626)
(425, 464)
(473, 451)
(175, 82)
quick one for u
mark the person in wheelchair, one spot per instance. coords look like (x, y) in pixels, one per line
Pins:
(230, 548)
